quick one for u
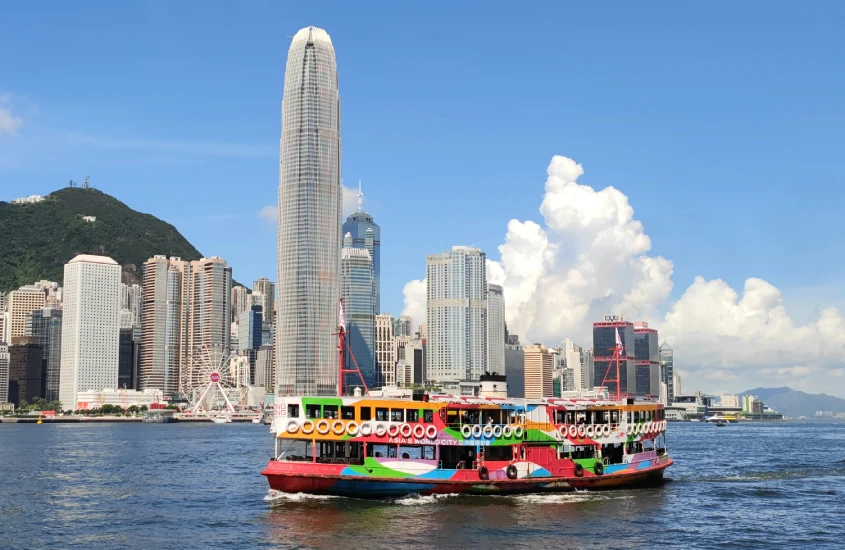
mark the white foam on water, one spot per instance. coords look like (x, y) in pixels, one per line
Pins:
(275, 496)
(564, 498)
(416, 500)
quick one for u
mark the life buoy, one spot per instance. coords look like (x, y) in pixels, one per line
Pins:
(511, 471)
(637, 429)
(292, 426)
(483, 473)
(338, 428)
(476, 431)
(589, 431)
(606, 430)
(323, 427)
(629, 429)
(518, 431)
(393, 430)
(352, 428)
(573, 431)
(497, 431)
(562, 430)
(598, 468)
(581, 430)
(488, 431)
(406, 430)
(649, 427)
(466, 431)
(380, 430)
(507, 431)
(431, 431)
(366, 429)
(579, 470)
(419, 431)
(307, 427)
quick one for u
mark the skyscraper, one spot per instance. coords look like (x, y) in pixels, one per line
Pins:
(667, 371)
(4, 373)
(310, 199)
(22, 302)
(90, 327)
(385, 351)
(495, 329)
(210, 303)
(44, 326)
(366, 234)
(538, 372)
(264, 295)
(457, 314)
(356, 290)
(604, 343)
(131, 301)
(646, 357)
(241, 301)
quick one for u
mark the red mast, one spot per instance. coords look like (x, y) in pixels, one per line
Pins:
(617, 351)
(342, 347)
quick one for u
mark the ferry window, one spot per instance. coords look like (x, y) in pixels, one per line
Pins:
(636, 416)
(570, 417)
(428, 452)
(648, 445)
(412, 415)
(601, 417)
(330, 411)
(354, 450)
(347, 413)
(428, 415)
(559, 417)
(410, 451)
(366, 413)
(629, 417)
(312, 411)
(391, 451)
(340, 449)
(376, 451)
(614, 417)
(293, 411)
(396, 415)
(381, 414)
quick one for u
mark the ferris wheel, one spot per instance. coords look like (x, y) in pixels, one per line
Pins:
(214, 380)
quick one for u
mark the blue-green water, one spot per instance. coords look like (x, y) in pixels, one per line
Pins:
(198, 486)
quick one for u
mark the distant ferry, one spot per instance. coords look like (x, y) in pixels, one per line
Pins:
(381, 447)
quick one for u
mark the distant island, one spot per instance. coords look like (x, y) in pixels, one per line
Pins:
(794, 403)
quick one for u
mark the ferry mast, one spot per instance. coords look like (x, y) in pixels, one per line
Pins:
(342, 349)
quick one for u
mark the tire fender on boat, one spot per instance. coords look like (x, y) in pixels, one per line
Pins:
(431, 431)
(307, 427)
(507, 431)
(573, 431)
(488, 431)
(598, 468)
(366, 429)
(380, 430)
(393, 430)
(476, 431)
(512, 472)
(497, 431)
(323, 427)
(466, 431)
(419, 431)
(518, 431)
(338, 428)
(406, 430)
(579, 470)
(483, 473)
(292, 427)
(352, 428)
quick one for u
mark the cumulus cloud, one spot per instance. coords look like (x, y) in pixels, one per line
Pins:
(270, 213)
(415, 299)
(9, 123)
(590, 257)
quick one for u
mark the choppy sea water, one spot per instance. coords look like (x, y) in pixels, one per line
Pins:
(198, 486)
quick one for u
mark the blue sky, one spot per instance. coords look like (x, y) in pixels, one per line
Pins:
(721, 122)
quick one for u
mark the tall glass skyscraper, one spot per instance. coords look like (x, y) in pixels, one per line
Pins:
(366, 234)
(310, 199)
(356, 289)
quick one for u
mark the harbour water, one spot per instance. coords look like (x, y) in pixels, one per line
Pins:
(190, 486)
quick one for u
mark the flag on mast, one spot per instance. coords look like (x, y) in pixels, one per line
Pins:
(618, 339)
(340, 316)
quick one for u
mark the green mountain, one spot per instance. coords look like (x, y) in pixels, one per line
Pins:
(796, 403)
(36, 240)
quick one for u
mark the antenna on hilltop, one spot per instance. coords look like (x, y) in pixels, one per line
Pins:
(85, 183)
(360, 198)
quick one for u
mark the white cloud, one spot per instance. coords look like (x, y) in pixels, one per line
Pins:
(270, 213)
(415, 298)
(9, 123)
(590, 257)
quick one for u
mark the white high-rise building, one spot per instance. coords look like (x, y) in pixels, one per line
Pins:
(310, 200)
(456, 304)
(90, 328)
(571, 354)
(495, 329)
(4, 373)
(385, 351)
(264, 295)
(241, 301)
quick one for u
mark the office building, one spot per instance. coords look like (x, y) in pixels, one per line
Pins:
(22, 302)
(356, 291)
(571, 358)
(25, 371)
(310, 200)
(456, 305)
(514, 366)
(4, 373)
(90, 327)
(264, 295)
(131, 305)
(495, 329)
(210, 294)
(127, 358)
(241, 301)
(249, 329)
(667, 371)
(4, 326)
(265, 373)
(402, 326)
(44, 326)
(385, 351)
(646, 359)
(365, 233)
(604, 344)
(539, 365)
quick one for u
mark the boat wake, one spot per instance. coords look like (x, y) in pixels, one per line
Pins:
(278, 496)
(566, 498)
(417, 500)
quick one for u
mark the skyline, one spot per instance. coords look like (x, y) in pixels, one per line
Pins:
(789, 256)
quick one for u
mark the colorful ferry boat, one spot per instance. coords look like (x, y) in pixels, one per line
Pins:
(380, 447)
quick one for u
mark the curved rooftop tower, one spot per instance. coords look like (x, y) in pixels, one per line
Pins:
(310, 199)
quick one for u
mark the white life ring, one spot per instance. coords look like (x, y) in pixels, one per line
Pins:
(431, 431)
(649, 427)
(606, 430)
(352, 428)
(323, 427)
(629, 429)
(663, 428)
(488, 431)
(419, 431)
(393, 430)
(366, 429)
(507, 431)
(637, 429)
(589, 431)
(406, 430)
(518, 431)
(562, 430)
(573, 431)
(497, 431)
(338, 428)
(476, 431)
(581, 431)
(307, 427)
(466, 431)
(380, 430)
(292, 427)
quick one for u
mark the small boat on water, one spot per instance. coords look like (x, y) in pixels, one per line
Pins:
(376, 447)
(257, 418)
(222, 419)
(718, 419)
